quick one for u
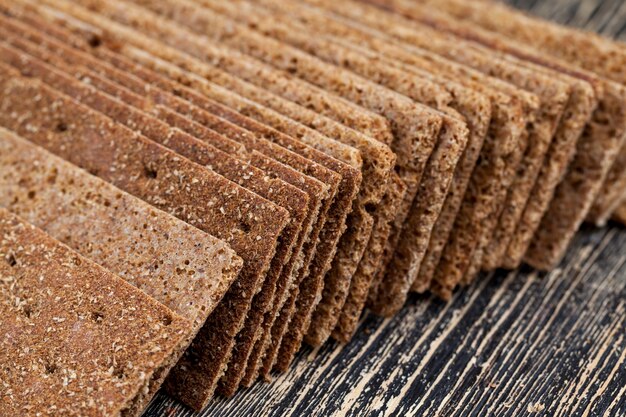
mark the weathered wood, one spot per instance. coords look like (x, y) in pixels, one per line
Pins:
(516, 344)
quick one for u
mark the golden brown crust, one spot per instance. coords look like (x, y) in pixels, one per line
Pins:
(126, 336)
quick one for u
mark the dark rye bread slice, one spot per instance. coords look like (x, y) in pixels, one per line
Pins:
(590, 51)
(491, 181)
(125, 338)
(402, 112)
(293, 200)
(249, 223)
(185, 269)
(364, 279)
(421, 89)
(597, 149)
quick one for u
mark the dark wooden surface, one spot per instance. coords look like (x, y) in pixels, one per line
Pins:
(513, 344)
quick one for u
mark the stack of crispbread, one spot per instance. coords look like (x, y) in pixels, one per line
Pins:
(264, 171)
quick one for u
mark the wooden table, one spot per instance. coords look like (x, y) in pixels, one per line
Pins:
(513, 344)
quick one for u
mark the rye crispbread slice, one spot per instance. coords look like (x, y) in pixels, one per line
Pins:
(47, 293)
(295, 201)
(365, 280)
(597, 149)
(590, 51)
(252, 228)
(185, 269)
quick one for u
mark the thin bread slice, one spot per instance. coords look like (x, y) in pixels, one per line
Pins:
(597, 149)
(185, 269)
(417, 87)
(121, 338)
(364, 279)
(590, 51)
(249, 223)
(294, 200)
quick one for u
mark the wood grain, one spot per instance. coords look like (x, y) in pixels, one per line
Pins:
(514, 344)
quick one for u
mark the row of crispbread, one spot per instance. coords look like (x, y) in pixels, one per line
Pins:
(347, 153)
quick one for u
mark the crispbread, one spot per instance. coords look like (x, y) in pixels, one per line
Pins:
(365, 279)
(597, 149)
(187, 270)
(586, 50)
(122, 339)
(415, 86)
(274, 190)
(68, 129)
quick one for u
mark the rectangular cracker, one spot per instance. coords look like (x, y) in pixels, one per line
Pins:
(590, 51)
(185, 269)
(597, 150)
(127, 338)
(323, 75)
(248, 222)
(294, 200)
(365, 277)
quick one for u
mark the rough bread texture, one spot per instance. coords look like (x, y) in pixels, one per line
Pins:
(294, 200)
(597, 149)
(127, 339)
(590, 51)
(376, 302)
(249, 223)
(365, 280)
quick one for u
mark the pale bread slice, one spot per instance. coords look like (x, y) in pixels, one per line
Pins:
(121, 338)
